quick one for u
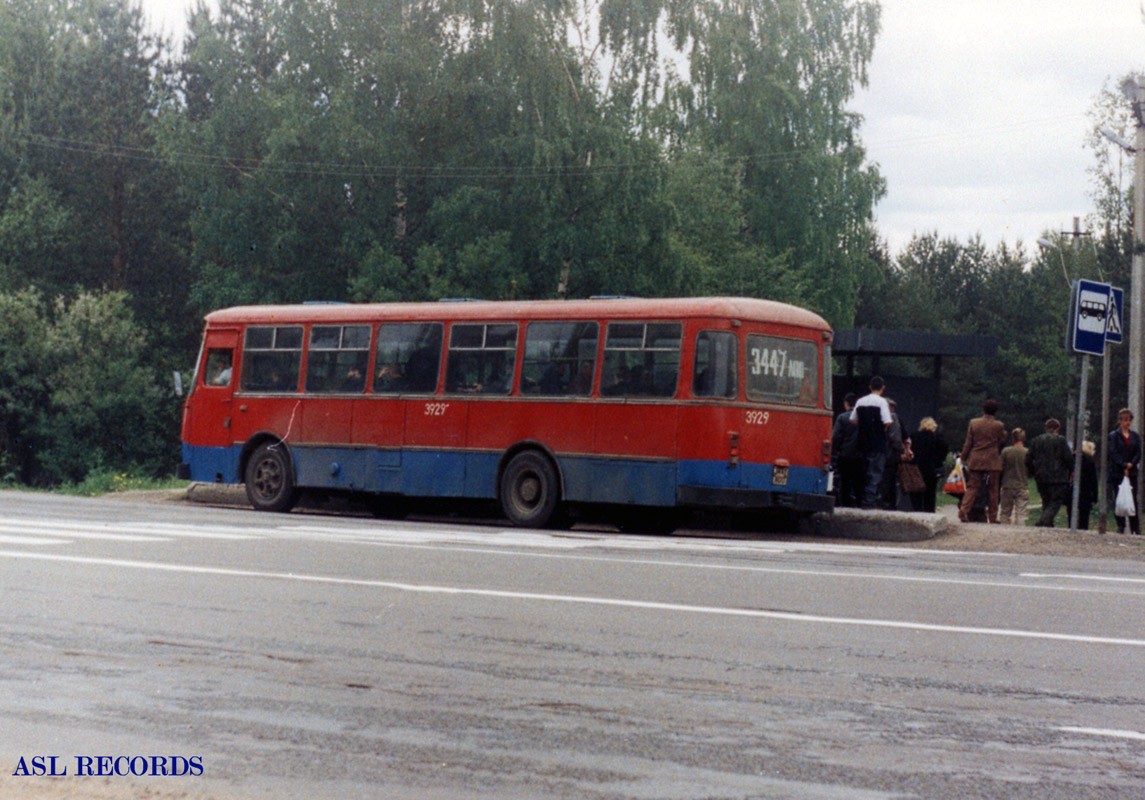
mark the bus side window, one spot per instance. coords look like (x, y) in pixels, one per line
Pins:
(641, 359)
(339, 358)
(218, 368)
(408, 357)
(481, 358)
(272, 360)
(715, 368)
(560, 358)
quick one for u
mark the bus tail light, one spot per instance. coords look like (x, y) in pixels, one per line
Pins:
(733, 448)
(826, 454)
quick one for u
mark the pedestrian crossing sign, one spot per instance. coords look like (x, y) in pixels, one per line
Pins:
(1113, 315)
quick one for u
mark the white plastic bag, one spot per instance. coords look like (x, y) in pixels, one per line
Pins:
(1124, 506)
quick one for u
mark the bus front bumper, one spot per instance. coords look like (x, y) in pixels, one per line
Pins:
(753, 499)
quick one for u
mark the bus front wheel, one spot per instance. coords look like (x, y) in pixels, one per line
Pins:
(270, 479)
(530, 490)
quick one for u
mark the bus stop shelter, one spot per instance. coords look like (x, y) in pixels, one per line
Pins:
(915, 396)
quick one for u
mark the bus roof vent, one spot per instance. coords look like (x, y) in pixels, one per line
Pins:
(459, 300)
(324, 303)
(613, 297)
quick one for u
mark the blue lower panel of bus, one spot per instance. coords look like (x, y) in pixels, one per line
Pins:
(448, 473)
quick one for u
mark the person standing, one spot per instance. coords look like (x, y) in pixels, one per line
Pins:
(930, 451)
(1050, 460)
(846, 461)
(873, 416)
(982, 460)
(1124, 448)
(898, 452)
(1087, 485)
(1015, 480)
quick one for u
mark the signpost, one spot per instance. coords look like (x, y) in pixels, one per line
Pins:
(1095, 320)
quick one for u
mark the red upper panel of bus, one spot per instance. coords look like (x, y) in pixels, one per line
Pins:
(741, 308)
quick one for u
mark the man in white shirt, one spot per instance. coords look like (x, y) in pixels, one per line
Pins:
(873, 416)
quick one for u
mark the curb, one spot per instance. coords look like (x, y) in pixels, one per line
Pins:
(218, 494)
(882, 526)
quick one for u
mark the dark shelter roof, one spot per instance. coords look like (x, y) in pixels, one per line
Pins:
(864, 341)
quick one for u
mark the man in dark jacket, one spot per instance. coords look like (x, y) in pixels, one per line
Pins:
(845, 458)
(1050, 461)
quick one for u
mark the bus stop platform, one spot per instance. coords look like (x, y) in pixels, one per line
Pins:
(878, 525)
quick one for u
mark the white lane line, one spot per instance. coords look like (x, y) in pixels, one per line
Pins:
(1106, 732)
(30, 540)
(143, 528)
(431, 533)
(649, 605)
(811, 573)
(1079, 577)
(70, 534)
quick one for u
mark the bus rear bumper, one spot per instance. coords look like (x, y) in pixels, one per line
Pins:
(753, 499)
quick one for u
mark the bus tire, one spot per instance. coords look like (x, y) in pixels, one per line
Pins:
(530, 490)
(270, 479)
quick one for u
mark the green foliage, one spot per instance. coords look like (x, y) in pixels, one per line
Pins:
(76, 395)
(105, 481)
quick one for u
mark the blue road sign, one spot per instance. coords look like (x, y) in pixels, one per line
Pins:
(1091, 302)
(1116, 315)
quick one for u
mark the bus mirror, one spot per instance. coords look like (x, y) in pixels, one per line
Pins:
(178, 379)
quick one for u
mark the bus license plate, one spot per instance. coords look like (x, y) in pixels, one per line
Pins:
(779, 476)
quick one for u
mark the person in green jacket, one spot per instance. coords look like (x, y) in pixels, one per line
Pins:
(1015, 481)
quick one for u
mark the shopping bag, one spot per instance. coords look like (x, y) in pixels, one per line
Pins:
(955, 485)
(910, 478)
(1124, 507)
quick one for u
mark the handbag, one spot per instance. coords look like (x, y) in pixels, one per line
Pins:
(1125, 507)
(955, 485)
(910, 478)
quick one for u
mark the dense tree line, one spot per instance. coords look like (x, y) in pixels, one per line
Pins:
(399, 150)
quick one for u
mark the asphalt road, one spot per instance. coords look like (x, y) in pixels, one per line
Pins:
(309, 656)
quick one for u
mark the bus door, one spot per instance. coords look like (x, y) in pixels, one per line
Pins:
(212, 411)
(337, 371)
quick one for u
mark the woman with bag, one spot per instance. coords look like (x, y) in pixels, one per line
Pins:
(1124, 455)
(930, 451)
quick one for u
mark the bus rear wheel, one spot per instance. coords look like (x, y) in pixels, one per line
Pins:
(530, 491)
(270, 479)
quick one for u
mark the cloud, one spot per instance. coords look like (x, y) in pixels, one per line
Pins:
(977, 111)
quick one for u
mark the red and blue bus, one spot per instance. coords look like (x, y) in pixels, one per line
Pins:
(544, 407)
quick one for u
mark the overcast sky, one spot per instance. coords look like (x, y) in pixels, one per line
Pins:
(977, 110)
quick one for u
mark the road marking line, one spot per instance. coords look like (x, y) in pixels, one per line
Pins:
(30, 540)
(1078, 577)
(141, 528)
(730, 567)
(1106, 732)
(649, 605)
(69, 534)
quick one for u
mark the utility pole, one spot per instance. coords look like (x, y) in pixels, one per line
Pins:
(1134, 91)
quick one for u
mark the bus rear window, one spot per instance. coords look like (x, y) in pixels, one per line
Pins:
(272, 359)
(481, 358)
(782, 370)
(641, 359)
